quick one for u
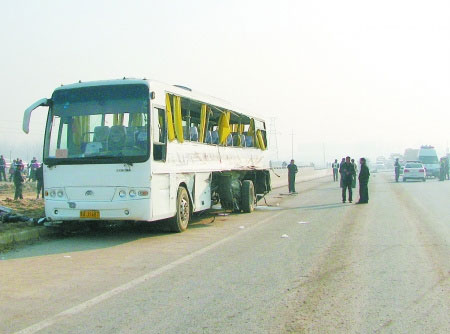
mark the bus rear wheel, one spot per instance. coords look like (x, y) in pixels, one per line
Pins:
(180, 222)
(247, 196)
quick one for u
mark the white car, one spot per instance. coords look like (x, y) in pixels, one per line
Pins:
(414, 171)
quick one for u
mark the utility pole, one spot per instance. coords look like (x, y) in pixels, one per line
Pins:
(324, 160)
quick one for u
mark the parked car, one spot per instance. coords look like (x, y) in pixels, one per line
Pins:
(414, 171)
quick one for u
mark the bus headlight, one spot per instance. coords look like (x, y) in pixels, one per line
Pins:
(132, 193)
(52, 193)
(122, 193)
(60, 193)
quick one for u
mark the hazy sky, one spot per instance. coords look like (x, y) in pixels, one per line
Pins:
(347, 77)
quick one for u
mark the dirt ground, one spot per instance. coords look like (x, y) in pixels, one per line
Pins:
(29, 206)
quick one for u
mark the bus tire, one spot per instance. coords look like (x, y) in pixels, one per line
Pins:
(247, 196)
(180, 222)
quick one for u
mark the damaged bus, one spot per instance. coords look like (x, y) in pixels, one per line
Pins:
(140, 150)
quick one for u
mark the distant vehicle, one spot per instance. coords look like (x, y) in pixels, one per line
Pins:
(414, 171)
(379, 166)
(410, 154)
(402, 167)
(429, 158)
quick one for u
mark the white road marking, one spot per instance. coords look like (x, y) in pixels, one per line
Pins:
(303, 223)
(127, 286)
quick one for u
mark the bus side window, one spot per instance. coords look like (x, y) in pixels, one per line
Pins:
(159, 134)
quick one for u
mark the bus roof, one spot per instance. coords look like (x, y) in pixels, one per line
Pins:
(174, 89)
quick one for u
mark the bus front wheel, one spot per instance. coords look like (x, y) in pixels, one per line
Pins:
(180, 222)
(247, 196)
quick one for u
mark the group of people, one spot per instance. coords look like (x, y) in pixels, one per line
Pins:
(18, 175)
(346, 171)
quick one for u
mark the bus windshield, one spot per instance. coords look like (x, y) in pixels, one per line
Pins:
(99, 124)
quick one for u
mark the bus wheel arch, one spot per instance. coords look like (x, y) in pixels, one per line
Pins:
(189, 193)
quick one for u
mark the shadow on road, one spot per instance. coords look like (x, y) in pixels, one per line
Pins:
(84, 237)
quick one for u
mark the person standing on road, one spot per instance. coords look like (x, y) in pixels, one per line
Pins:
(342, 162)
(354, 175)
(363, 182)
(2, 168)
(33, 166)
(335, 167)
(442, 170)
(40, 181)
(397, 169)
(347, 172)
(18, 183)
(292, 170)
(447, 168)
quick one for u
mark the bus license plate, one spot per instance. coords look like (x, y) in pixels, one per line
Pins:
(90, 214)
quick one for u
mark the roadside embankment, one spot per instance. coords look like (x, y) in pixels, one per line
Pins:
(22, 228)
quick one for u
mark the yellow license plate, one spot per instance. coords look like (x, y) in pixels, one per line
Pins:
(90, 214)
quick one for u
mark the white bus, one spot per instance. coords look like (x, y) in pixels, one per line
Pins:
(140, 150)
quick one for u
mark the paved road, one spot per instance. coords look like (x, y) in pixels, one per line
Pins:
(340, 268)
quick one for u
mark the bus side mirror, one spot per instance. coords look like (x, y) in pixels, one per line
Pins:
(27, 113)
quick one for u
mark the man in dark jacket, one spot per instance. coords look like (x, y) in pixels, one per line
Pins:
(342, 162)
(347, 172)
(18, 181)
(40, 181)
(363, 182)
(292, 170)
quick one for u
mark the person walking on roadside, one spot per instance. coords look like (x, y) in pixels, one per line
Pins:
(397, 169)
(2, 168)
(292, 170)
(40, 181)
(354, 175)
(335, 167)
(363, 182)
(347, 171)
(18, 183)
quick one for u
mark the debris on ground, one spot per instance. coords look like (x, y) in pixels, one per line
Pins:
(285, 236)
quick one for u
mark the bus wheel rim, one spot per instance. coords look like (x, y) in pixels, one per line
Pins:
(184, 210)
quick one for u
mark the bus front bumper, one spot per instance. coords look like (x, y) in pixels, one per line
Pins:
(137, 209)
